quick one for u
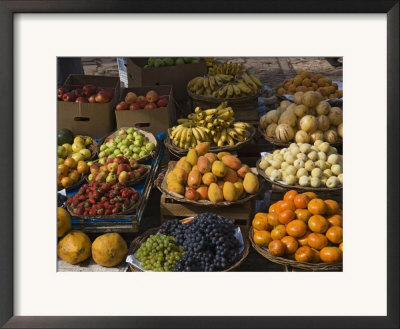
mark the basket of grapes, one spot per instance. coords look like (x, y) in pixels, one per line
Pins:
(204, 243)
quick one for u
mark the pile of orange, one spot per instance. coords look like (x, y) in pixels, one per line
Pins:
(69, 172)
(306, 81)
(301, 227)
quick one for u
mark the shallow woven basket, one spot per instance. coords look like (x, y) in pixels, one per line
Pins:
(177, 151)
(276, 142)
(146, 134)
(76, 185)
(288, 262)
(93, 148)
(137, 242)
(113, 216)
(294, 187)
(134, 181)
(161, 184)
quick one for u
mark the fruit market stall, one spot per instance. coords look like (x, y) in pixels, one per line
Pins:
(246, 176)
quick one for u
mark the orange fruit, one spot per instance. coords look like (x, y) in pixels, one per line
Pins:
(317, 241)
(273, 219)
(330, 254)
(311, 195)
(304, 254)
(70, 162)
(66, 182)
(316, 258)
(278, 232)
(286, 204)
(277, 248)
(318, 224)
(286, 216)
(74, 175)
(290, 243)
(303, 214)
(332, 207)
(260, 224)
(303, 240)
(335, 234)
(82, 167)
(301, 201)
(317, 207)
(341, 247)
(273, 208)
(62, 170)
(296, 228)
(262, 238)
(289, 195)
(260, 215)
(335, 220)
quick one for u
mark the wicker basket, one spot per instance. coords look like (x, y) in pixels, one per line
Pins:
(179, 152)
(161, 184)
(295, 264)
(137, 242)
(76, 185)
(93, 148)
(246, 103)
(276, 142)
(146, 134)
(295, 187)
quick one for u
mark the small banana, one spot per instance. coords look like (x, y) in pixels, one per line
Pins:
(183, 120)
(242, 125)
(232, 133)
(229, 91)
(220, 143)
(236, 90)
(222, 91)
(226, 77)
(222, 106)
(243, 87)
(199, 83)
(210, 111)
(242, 132)
(205, 82)
(211, 81)
(255, 80)
(218, 80)
(230, 140)
(209, 118)
(197, 110)
(223, 135)
(193, 82)
(249, 81)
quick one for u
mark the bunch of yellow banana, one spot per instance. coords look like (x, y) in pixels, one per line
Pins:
(212, 125)
(207, 84)
(227, 68)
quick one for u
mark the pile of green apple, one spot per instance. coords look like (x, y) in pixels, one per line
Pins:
(129, 143)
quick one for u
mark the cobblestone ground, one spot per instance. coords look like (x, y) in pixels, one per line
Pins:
(270, 70)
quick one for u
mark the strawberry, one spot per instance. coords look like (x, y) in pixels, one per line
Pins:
(107, 212)
(92, 200)
(100, 211)
(115, 211)
(92, 212)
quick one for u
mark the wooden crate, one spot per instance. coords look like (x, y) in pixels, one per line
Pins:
(242, 214)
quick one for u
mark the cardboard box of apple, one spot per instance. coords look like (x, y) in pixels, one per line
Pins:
(86, 94)
(151, 101)
(116, 169)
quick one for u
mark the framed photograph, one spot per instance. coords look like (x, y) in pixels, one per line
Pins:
(204, 141)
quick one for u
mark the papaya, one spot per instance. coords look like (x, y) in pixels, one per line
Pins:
(186, 166)
(230, 176)
(202, 148)
(192, 157)
(75, 247)
(243, 170)
(194, 179)
(176, 187)
(109, 249)
(209, 178)
(250, 183)
(232, 162)
(239, 189)
(218, 168)
(220, 155)
(215, 194)
(229, 192)
(203, 164)
(211, 157)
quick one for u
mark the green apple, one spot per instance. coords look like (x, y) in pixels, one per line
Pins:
(77, 157)
(89, 163)
(110, 144)
(137, 142)
(117, 152)
(150, 146)
(126, 142)
(121, 131)
(111, 177)
(131, 147)
(127, 152)
(118, 140)
(135, 156)
(136, 149)
(123, 147)
(103, 147)
(103, 160)
(129, 136)
(112, 149)
(102, 154)
(142, 154)
(111, 156)
(130, 130)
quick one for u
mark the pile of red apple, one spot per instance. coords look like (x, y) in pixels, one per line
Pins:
(150, 101)
(116, 169)
(86, 94)
(97, 199)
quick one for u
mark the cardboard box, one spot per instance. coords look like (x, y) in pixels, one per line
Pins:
(156, 120)
(176, 76)
(90, 119)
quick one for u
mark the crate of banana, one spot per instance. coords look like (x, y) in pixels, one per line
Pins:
(225, 86)
(216, 126)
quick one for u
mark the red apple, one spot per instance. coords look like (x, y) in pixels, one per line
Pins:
(192, 194)
(77, 92)
(92, 98)
(130, 98)
(142, 104)
(81, 99)
(133, 163)
(150, 106)
(89, 90)
(108, 93)
(101, 177)
(112, 167)
(123, 177)
(122, 106)
(162, 102)
(141, 98)
(119, 159)
(61, 92)
(101, 97)
(68, 97)
(134, 107)
(109, 160)
(151, 96)
(123, 167)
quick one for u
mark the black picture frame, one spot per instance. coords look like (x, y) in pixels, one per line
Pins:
(9, 8)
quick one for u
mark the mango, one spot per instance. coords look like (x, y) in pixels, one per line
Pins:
(203, 165)
(250, 183)
(75, 247)
(211, 157)
(202, 148)
(176, 187)
(192, 157)
(239, 189)
(230, 176)
(203, 192)
(220, 155)
(186, 166)
(195, 167)
(243, 170)
(63, 222)
(194, 179)
(181, 160)
(232, 162)
(218, 168)
(181, 175)
(215, 194)
(109, 249)
(229, 192)
(209, 178)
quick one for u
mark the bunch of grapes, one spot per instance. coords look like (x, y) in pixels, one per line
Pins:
(208, 241)
(159, 253)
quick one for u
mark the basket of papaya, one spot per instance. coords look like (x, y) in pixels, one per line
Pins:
(300, 231)
(174, 246)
